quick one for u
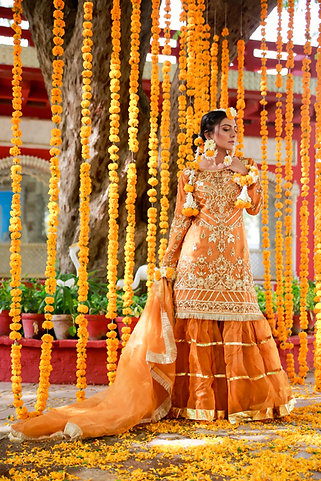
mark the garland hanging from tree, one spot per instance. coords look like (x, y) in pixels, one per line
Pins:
(278, 185)
(165, 136)
(84, 193)
(15, 219)
(214, 71)
(182, 103)
(201, 96)
(224, 70)
(190, 79)
(288, 277)
(240, 104)
(304, 210)
(264, 170)
(45, 367)
(153, 147)
(113, 195)
(317, 216)
(131, 172)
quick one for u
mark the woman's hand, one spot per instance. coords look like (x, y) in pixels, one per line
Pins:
(238, 166)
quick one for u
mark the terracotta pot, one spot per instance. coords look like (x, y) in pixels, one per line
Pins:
(62, 323)
(120, 323)
(32, 325)
(5, 321)
(97, 326)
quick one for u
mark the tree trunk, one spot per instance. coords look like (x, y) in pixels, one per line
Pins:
(39, 15)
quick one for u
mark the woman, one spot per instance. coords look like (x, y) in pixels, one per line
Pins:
(227, 362)
(202, 350)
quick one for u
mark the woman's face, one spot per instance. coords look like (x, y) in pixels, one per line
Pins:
(224, 134)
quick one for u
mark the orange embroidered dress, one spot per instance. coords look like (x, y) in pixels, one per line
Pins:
(227, 361)
(201, 351)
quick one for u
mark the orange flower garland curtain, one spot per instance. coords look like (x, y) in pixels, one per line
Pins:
(15, 219)
(113, 195)
(317, 216)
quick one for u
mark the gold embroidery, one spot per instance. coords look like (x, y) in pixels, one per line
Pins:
(221, 343)
(214, 276)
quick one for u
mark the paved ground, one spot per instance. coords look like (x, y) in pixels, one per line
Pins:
(145, 443)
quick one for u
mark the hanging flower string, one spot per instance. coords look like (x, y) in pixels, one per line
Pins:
(201, 97)
(288, 171)
(113, 194)
(317, 217)
(182, 104)
(165, 136)
(53, 206)
(15, 219)
(190, 79)
(240, 104)
(153, 147)
(85, 189)
(224, 69)
(214, 71)
(282, 334)
(264, 170)
(131, 172)
(304, 209)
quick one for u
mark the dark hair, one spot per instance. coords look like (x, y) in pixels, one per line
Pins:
(209, 121)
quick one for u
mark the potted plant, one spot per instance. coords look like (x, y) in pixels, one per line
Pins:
(65, 306)
(97, 307)
(32, 308)
(5, 302)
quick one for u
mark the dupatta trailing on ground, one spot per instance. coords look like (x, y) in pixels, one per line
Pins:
(141, 392)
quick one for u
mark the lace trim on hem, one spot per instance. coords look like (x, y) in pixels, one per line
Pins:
(221, 343)
(234, 378)
(250, 415)
(260, 415)
(19, 437)
(197, 414)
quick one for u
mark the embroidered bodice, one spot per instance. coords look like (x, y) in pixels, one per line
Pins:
(213, 272)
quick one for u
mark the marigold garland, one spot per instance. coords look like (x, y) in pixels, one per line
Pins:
(317, 216)
(224, 70)
(304, 211)
(282, 333)
(134, 76)
(191, 47)
(182, 99)
(84, 193)
(288, 276)
(113, 195)
(264, 170)
(129, 251)
(165, 136)
(131, 172)
(53, 207)
(201, 46)
(214, 71)
(240, 104)
(15, 219)
(153, 147)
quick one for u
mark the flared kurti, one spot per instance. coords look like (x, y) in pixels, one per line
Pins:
(214, 276)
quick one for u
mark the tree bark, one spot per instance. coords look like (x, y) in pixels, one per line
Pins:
(39, 15)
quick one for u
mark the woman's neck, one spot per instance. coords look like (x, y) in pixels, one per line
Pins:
(220, 156)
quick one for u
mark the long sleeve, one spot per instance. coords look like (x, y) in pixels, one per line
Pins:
(180, 225)
(255, 192)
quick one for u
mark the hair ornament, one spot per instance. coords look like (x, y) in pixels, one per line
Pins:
(210, 150)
